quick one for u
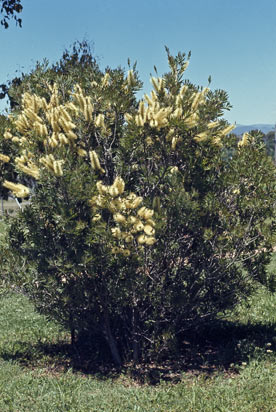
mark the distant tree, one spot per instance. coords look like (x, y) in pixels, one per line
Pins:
(269, 139)
(10, 9)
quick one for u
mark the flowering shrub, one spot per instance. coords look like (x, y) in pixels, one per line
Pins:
(145, 218)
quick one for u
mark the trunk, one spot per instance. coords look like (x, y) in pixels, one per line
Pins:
(110, 340)
(135, 340)
(73, 336)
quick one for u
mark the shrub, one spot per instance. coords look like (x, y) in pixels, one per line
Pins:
(145, 218)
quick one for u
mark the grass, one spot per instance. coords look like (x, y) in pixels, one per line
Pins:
(11, 207)
(231, 369)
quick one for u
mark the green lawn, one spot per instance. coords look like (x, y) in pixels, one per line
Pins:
(233, 369)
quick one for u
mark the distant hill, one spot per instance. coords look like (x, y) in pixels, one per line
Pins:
(265, 128)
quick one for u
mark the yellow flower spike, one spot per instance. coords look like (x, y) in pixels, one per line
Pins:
(156, 84)
(74, 109)
(119, 218)
(227, 130)
(57, 167)
(183, 90)
(132, 220)
(154, 97)
(196, 101)
(99, 121)
(116, 232)
(128, 117)
(174, 169)
(62, 138)
(149, 230)
(141, 211)
(141, 239)
(4, 158)
(105, 80)
(19, 190)
(34, 171)
(150, 241)
(138, 227)
(8, 135)
(136, 202)
(148, 213)
(201, 137)
(125, 252)
(130, 78)
(149, 141)
(174, 142)
(141, 109)
(88, 112)
(96, 218)
(150, 222)
(43, 130)
(245, 139)
(139, 120)
(102, 189)
(53, 142)
(177, 113)
(113, 191)
(120, 184)
(115, 250)
(95, 163)
(71, 135)
(65, 114)
(129, 238)
(212, 125)
(81, 152)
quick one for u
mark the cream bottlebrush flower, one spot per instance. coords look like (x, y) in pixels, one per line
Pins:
(145, 213)
(8, 135)
(201, 137)
(81, 152)
(113, 191)
(115, 250)
(125, 252)
(99, 121)
(96, 217)
(149, 230)
(130, 78)
(95, 163)
(212, 125)
(133, 201)
(31, 171)
(62, 138)
(133, 220)
(227, 130)
(116, 232)
(18, 189)
(174, 169)
(102, 189)
(150, 241)
(57, 165)
(128, 117)
(150, 222)
(71, 135)
(138, 227)
(141, 239)
(129, 238)
(4, 158)
(244, 140)
(120, 184)
(119, 218)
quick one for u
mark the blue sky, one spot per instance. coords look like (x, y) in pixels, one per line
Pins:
(234, 41)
